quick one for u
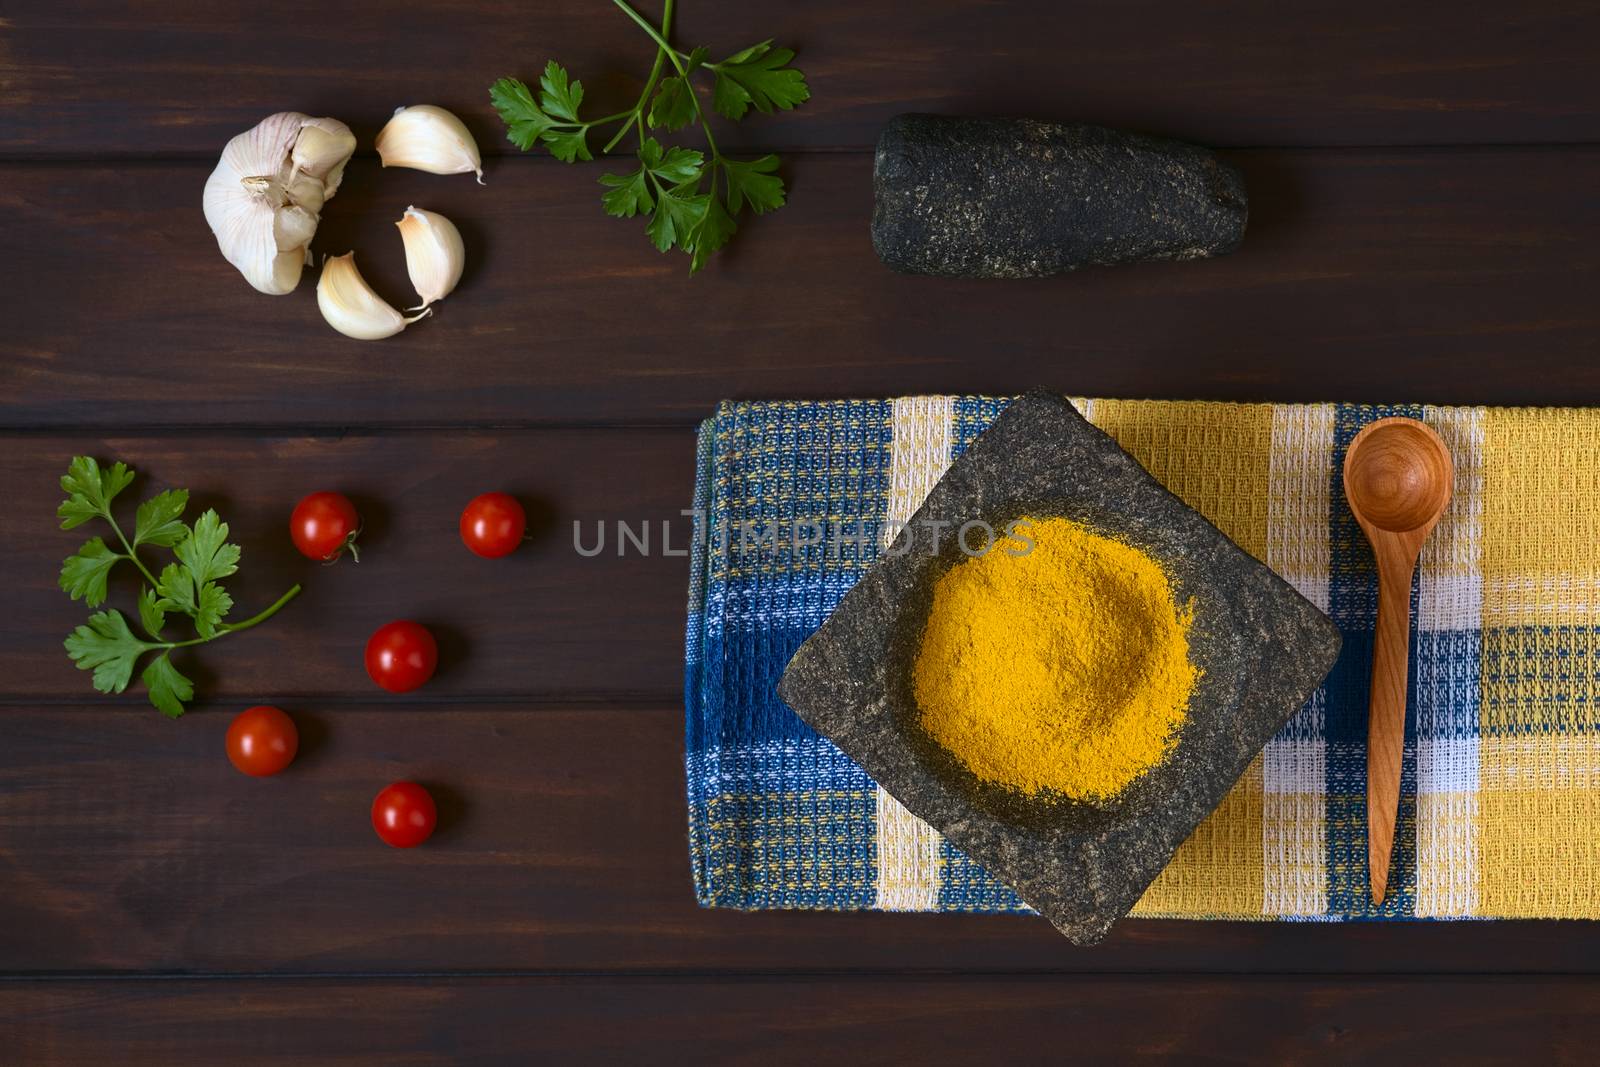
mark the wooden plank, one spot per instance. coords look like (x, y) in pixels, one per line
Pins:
(1449, 276)
(1268, 1019)
(155, 78)
(545, 623)
(128, 843)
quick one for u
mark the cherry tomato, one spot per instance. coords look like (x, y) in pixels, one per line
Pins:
(262, 740)
(492, 525)
(404, 815)
(324, 525)
(401, 655)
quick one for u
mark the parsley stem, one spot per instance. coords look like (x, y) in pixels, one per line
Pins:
(128, 548)
(263, 616)
(708, 66)
(607, 120)
(711, 141)
(672, 56)
(235, 627)
(655, 34)
(637, 115)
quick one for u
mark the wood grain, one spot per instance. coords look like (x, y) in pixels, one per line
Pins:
(1386, 715)
(1455, 277)
(865, 1020)
(162, 908)
(154, 78)
(545, 623)
(129, 844)
(1398, 477)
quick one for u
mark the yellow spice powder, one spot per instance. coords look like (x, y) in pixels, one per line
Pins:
(1061, 668)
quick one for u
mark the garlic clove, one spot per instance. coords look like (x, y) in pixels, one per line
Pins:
(286, 165)
(350, 305)
(434, 254)
(306, 192)
(294, 227)
(322, 150)
(429, 138)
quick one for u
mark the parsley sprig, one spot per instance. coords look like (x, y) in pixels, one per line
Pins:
(192, 586)
(692, 198)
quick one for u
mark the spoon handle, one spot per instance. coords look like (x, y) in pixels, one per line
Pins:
(1386, 718)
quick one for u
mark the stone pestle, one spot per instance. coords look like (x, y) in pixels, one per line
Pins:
(1015, 198)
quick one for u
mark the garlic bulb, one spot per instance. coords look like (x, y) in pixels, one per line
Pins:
(350, 305)
(434, 254)
(264, 199)
(429, 138)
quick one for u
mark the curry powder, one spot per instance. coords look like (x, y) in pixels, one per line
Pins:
(1061, 667)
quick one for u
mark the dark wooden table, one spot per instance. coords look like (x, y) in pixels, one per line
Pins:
(1424, 224)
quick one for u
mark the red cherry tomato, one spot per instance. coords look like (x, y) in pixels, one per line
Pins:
(404, 815)
(324, 525)
(262, 740)
(492, 525)
(401, 655)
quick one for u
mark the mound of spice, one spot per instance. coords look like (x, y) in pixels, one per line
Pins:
(1056, 663)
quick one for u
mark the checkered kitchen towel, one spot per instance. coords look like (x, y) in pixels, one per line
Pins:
(1500, 803)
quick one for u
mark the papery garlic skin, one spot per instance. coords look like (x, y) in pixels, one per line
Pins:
(434, 254)
(264, 198)
(350, 305)
(429, 138)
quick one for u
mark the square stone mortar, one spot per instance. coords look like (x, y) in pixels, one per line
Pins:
(1262, 649)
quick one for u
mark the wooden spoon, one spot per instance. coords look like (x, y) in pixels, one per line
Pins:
(1397, 477)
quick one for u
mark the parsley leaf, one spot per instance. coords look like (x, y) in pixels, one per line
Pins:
(555, 124)
(755, 183)
(177, 590)
(90, 490)
(678, 211)
(205, 552)
(84, 574)
(569, 146)
(629, 194)
(557, 96)
(211, 607)
(673, 107)
(675, 166)
(159, 519)
(152, 616)
(76, 510)
(716, 229)
(759, 77)
(524, 120)
(192, 589)
(105, 645)
(169, 689)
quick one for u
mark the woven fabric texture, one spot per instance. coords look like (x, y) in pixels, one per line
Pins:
(1500, 804)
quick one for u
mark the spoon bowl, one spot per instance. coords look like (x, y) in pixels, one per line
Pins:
(1397, 475)
(1397, 478)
